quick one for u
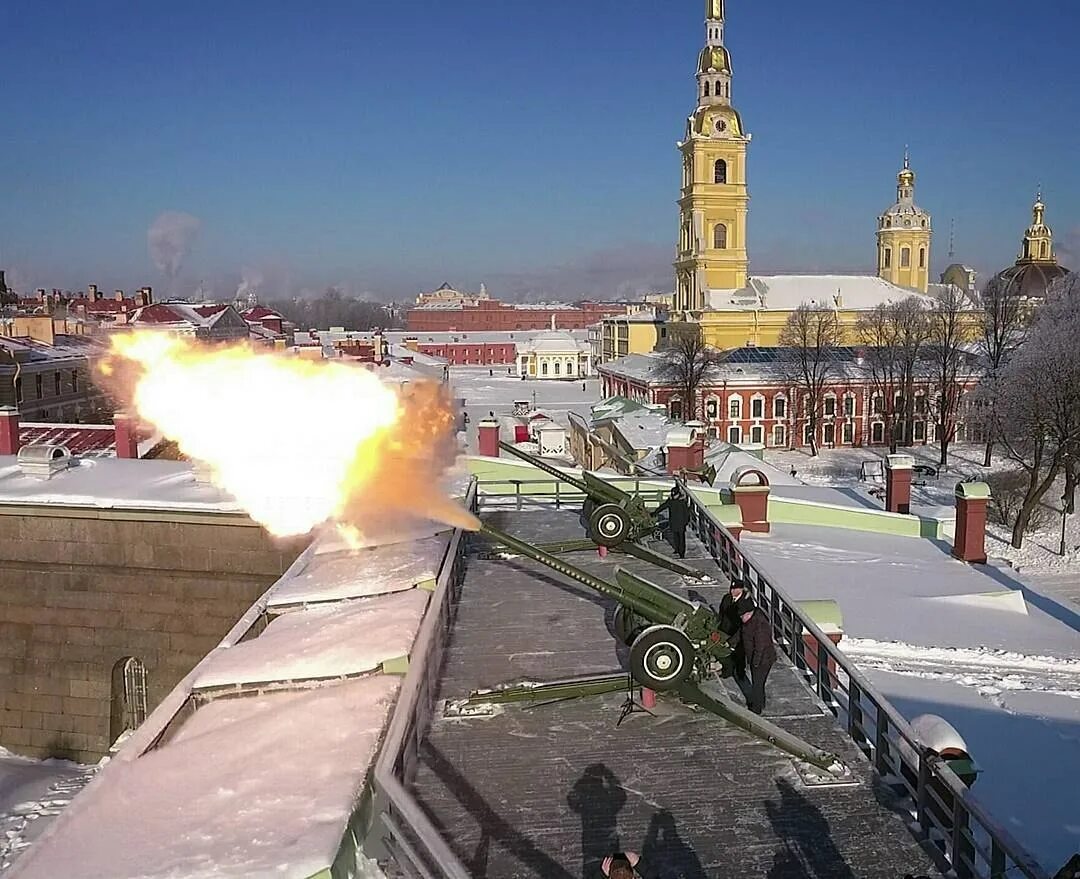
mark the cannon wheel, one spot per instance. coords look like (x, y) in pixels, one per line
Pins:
(609, 525)
(626, 624)
(661, 658)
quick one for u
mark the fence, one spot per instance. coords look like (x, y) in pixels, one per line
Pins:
(406, 832)
(959, 832)
(963, 837)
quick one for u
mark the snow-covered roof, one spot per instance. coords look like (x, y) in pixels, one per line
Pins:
(248, 788)
(116, 483)
(398, 337)
(553, 342)
(788, 292)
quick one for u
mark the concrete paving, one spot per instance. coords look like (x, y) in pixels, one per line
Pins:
(548, 791)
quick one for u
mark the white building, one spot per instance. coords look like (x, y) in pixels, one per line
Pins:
(555, 355)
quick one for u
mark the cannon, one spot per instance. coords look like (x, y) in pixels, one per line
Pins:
(675, 645)
(613, 518)
(612, 515)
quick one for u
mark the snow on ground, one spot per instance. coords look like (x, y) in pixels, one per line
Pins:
(32, 792)
(249, 788)
(987, 648)
(1027, 744)
(483, 394)
(934, 496)
(913, 590)
(346, 638)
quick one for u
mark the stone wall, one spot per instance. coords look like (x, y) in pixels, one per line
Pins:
(81, 590)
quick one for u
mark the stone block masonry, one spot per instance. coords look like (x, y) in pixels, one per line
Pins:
(82, 590)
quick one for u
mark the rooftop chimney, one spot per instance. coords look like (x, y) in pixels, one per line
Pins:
(127, 438)
(969, 541)
(45, 460)
(119, 295)
(898, 483)
(488, 438)
(10, 440)
(92, 292)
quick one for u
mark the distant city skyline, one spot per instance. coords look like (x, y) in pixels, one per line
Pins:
(385, 148)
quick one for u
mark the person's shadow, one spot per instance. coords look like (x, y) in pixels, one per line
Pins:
(597, 797)
(806, 850)
(665, 854)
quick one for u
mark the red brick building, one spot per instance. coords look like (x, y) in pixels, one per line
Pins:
(468, 353)
(490, 315)
(745, 400)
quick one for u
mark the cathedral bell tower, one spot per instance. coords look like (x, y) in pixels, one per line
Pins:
(713, 203)
(1038, 245)
(904, 233)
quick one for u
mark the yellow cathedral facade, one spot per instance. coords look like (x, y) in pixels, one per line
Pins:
(713, 286)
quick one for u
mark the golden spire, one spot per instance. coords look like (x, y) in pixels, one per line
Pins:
(714, 10)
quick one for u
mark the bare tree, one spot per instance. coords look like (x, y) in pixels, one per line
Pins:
(1002, 321)
(895, 335)
(947, 327)
(810, 340)
(1036, 401)
(686, 362)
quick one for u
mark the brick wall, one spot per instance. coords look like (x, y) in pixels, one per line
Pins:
(79, 594)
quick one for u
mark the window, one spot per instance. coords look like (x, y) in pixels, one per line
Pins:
(558, 368)
(712, 408)
(734, 436)
(877, 432)
(886, 258)
(920, 431)
(779, 407)
(807, 434)
(128, 702)
(56, 383)
(922, 257)
(779, 436)
(848, 433)
(570, 367)
(757, 434)
(720, 237)
(830, 407)
(735, 408)
(1044, 251)
(878, 406)
(706, 88)
(675, 408)
(543, 368)
(849, 406)
(37, 382)
(757, 408)
(920, 404)
(714, 433)
(905, 257)
(830, 434)
(719, 170)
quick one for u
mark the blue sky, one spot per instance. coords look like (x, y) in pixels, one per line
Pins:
(387, 146)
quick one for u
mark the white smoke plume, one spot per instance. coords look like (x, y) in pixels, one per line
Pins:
(170, 238)
(251, 281)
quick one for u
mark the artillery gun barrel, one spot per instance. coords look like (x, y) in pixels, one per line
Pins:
(637, 604)
(762, 729)
(541, 464)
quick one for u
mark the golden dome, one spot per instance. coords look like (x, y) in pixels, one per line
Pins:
(719, 120)
(906, 177)
(714, 59)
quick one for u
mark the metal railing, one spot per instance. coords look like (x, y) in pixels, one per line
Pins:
(957, 830)
(963, 838)
(402, 826)
(524, 493)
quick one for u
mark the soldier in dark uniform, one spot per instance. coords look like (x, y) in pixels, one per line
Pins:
(756, 638)
(730, 623)
(678, 510)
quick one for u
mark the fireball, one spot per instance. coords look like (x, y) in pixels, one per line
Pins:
(298, 443)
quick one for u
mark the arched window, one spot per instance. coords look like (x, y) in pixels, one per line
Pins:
(558, 368)
(128, 702)
(905, 257)
(735, 408)
(1043, 251)
(706, 88)
(886, 258)
(720, 171)
(1027, 250)
(543, 368)
(712, 408)
(675, 408)
(720, 236)
(922, 257)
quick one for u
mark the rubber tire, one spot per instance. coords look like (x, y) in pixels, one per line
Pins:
(661, 658)
(609, 525)
(626, 624)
